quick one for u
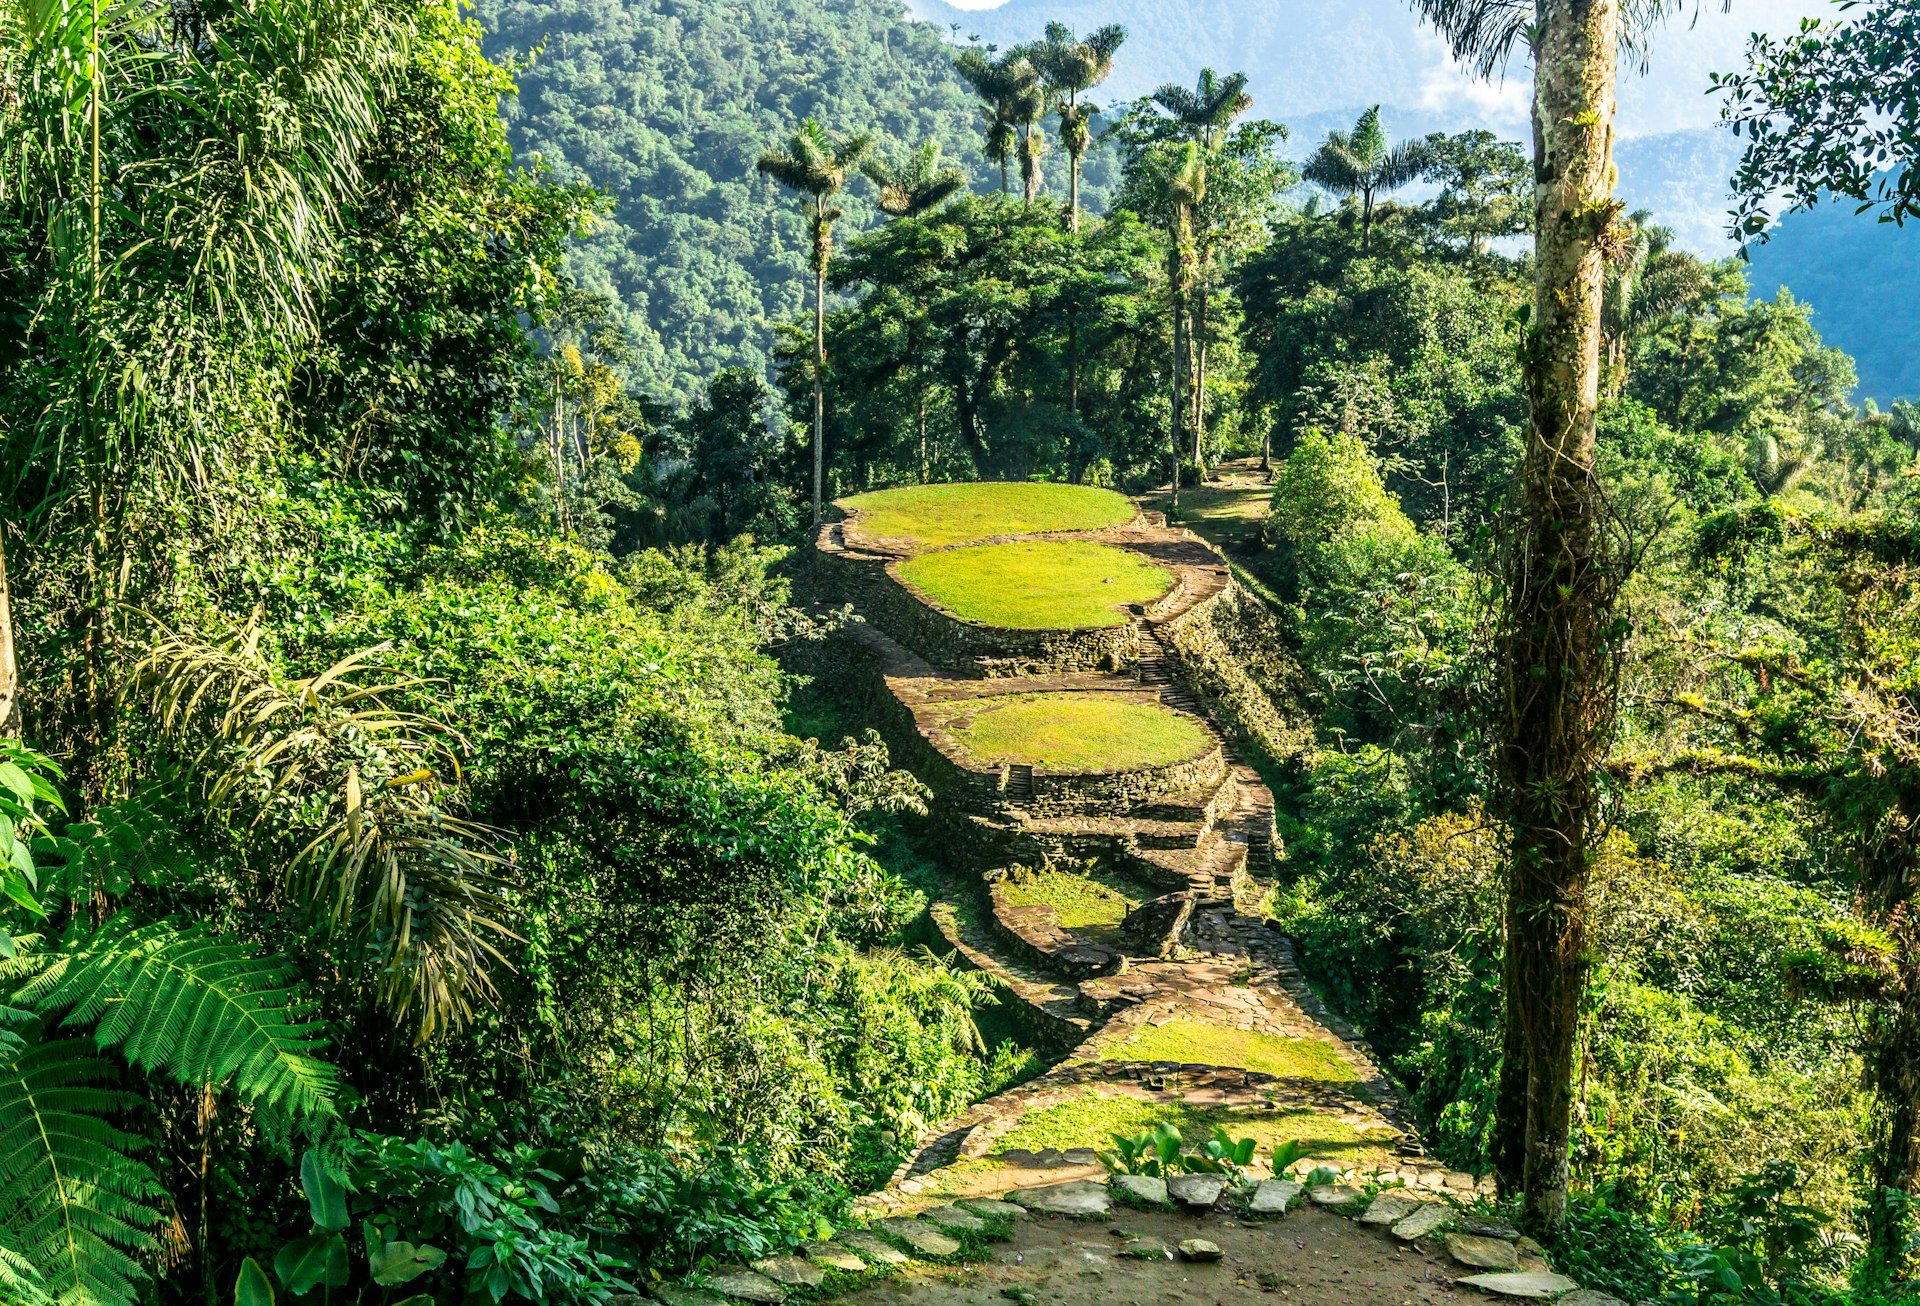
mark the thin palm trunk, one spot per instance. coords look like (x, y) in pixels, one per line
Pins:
(924, 473)
(1555, 635)
(9, 666)
(819, 383)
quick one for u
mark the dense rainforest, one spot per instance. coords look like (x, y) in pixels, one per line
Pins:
(429, 875)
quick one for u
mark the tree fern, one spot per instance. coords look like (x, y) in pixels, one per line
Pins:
(173, 999)
(74, 1201)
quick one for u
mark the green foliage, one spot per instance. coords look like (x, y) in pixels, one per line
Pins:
(1163, 1151)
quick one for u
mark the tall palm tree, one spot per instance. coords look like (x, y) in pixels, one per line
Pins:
(818, 167)
(1646, 281)
(1071, 68)
(1557, 638)
(1204, 114)
(1182, 177)
(1015, 99)
(920, 185)
(910, 190)
(1362, 163)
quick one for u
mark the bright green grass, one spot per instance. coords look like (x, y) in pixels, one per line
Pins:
(936, 515)
(1078, 732)
(1038, 584)
(1092, 1119)
(1192, 1041)
(1092, 904)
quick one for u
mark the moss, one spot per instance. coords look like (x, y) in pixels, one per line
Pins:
(1092, 1119)
(1038, 584)
(936, 515)
(1218, 1045)
(1077, 732)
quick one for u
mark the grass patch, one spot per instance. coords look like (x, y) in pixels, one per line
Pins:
(1217, 1045)
(1038, 584)
(1092, 1119)
(1078, 732)
(1091, 904)
(936, 515)
(1226, 515)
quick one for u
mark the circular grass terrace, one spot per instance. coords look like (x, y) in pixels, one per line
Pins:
(1037, 584)
(934, 516)
(1078, 731)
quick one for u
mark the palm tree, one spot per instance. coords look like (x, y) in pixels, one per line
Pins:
(1361, 163)
(1646, 281)
(1204, 114)
(1015, 98)
(920, 185)
(1182, 177)
(1071, 68)
(1557, 640)
(817, 166)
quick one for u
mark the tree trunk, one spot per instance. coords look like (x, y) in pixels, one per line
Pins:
(9, 665)
(1555, 642)
(1200, 313)
(819, 383)
(1179, 384)
(1073, 191)
(1073, 369)
(924, 477)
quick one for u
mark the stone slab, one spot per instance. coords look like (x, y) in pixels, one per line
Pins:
(1196, 1192)
(673, 1294)
(1429, 1219)
(791, 1271)
(1334, 1194)
(1528, 1285)
(921, 1238)
(1391, 1207)
(992, 1208)
(1274, 1196)
(1483, 1228)
(1588, 1297)
(872, 1246)
(832, 1256)
(1482, 1253)
(1149, 1190)
(951, 1219)
(742, 1284)
(1077, 1197)
(1199, 1249)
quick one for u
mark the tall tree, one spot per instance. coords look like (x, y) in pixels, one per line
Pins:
(818, 167)
(1557, 636)
(1015, 99)
(1362, 163)
(1071, 68)
(920, 185)
(1646, 280)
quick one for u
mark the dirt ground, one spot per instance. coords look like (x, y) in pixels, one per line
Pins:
(1309, 1258)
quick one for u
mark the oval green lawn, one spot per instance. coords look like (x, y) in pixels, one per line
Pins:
(1079, 732)
(1037, 584)
(938, 515)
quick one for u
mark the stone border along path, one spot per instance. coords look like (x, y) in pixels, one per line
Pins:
(1200, 830)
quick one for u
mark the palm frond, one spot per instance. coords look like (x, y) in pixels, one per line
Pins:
(174, 999)
(1485, 34)
(75, 1202)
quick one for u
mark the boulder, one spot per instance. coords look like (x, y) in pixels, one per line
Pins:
(1199, 1249)
(871, 1245)
(742, 1284)
(1429, 1219)
(1078, 1197)
(1196, 1192)
(1274, 1196)
(1487, 1228)
(791, 1270)
(1528, 1285)
(1146, 1189)
(1482, 1253)
(921, 1238)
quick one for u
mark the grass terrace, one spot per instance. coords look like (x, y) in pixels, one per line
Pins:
(1090, 903)
(1193, 1041)
(1092, 1119)
(1081, 731)
(1037, 584)
(937, 515)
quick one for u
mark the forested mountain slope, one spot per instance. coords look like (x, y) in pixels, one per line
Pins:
(666, 104)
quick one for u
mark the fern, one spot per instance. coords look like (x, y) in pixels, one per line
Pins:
(174, 999)
(75, 1204)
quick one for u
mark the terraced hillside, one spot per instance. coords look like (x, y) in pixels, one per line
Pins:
(1105, 843)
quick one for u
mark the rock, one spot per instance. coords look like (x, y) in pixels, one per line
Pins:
(1274, 1196)
(1146, 1189)
(674, 1295)
(922, 1239)
(1199, 1249)
(1078, 1197)
(1196, 1191)
(791, 1270)
(991, 1209)
(1528, 1284)
(1588, 1297)
(871, 1245)
(1429, 1219)
(1482, 1253)
(1488, 1228)
(951, 1219)
(1334, 1194)
(738, 1282)
(834, 1258)
(1155, 926)
(1391, 1207)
